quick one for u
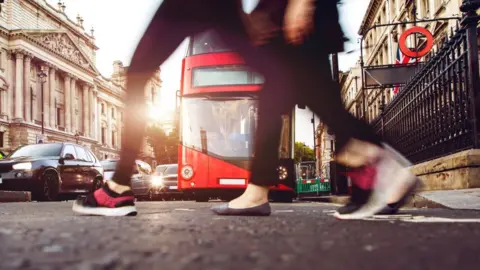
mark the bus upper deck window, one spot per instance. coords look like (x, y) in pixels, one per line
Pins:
(208, 42)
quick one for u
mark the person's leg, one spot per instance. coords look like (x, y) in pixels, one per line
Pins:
(275, 99)
(380, 176)
(172, 23)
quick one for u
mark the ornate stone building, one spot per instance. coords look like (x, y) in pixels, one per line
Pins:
(381, 44)
(324, 152)
(380, 48)
(79, 104)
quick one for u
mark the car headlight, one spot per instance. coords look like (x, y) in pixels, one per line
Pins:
(282, 173)
(157, 181)
(23, 166)
(187, 172)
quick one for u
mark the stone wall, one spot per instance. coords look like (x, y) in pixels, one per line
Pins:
(456, 171)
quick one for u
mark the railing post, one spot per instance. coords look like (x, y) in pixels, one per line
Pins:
(469, 23)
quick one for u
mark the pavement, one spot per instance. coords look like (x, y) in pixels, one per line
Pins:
(185, 235)
(460, 199)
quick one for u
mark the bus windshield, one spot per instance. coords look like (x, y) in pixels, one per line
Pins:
(222, 128)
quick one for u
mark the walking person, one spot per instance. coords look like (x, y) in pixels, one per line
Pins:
(293, 39)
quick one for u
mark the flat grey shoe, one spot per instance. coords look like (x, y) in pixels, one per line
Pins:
(224, 210)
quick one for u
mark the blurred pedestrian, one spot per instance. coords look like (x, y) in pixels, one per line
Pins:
(289, 42)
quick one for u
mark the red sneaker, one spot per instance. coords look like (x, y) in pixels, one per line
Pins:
(105, 202)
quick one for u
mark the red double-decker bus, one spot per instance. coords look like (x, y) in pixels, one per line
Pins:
(218, 118)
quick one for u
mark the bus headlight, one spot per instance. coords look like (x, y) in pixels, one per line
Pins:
(187, 172)
(157, 181)
(282, 173)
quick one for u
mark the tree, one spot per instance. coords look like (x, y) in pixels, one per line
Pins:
(303, 152)
(164, 146)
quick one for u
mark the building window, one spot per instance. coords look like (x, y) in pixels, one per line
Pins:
(2, 135)
(59, 117)
(102, 108)
(104, 130)
(31, 103)
(426, 8)
(393, 7)
(113, 138)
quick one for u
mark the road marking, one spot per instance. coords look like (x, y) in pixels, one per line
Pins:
(184, 209)
(422, 219)
(418, 219)
(284, 211)
(442, 220)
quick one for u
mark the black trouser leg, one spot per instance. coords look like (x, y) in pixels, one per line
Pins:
(172, 23)
(323, 97)
(267, 137)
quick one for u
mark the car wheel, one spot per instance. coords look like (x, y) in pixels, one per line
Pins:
(97, 184)
(151, 196)
(50, 186)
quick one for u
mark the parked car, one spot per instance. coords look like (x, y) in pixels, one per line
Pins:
(51, 169)
(141, 179)
(167, 178)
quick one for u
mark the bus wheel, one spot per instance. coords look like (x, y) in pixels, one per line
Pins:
(283, 198)
(201, 198)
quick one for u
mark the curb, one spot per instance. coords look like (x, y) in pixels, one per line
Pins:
(15, 196)
(328, 199)
(417, 201)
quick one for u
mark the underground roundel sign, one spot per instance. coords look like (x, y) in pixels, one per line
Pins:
(415, 54)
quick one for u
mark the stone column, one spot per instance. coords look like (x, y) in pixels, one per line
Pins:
(119, 129)
(108, 111)
(4, 92)
(99, 119)
(85, 109)
(11, 83)
(46, 95)
(19, 86)
(52, 95)
(68, 103)
(73, 82)
(27, 92)
(4, 102)
(93, 114)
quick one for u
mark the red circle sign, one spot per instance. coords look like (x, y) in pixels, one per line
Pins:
(403, 38)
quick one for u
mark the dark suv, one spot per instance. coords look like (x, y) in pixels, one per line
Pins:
(51, 169)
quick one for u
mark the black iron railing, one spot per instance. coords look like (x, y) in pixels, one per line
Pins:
(435, 114)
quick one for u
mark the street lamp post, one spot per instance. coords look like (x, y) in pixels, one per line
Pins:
(43, 78)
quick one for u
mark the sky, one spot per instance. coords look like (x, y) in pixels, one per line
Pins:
(119, 24)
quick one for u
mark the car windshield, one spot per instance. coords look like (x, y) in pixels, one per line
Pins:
(38, 150)
(172, 170)
(109, 165)
(161, 169)
(223, 128)
(307, 171)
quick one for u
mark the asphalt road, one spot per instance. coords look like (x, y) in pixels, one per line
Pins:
(185, 235)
